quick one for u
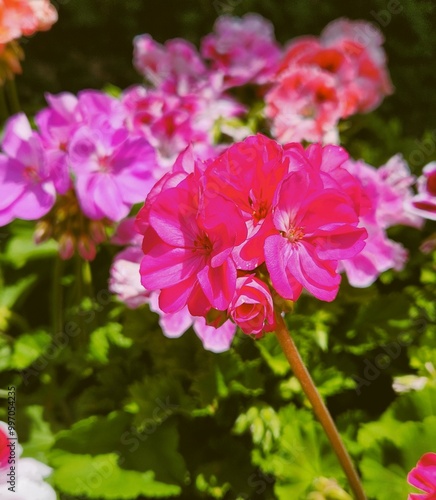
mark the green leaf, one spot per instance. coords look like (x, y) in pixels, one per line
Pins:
(9, 295)
(101, 477)
(101, 340)
(28, 348)
(21, 249)
(41, 437)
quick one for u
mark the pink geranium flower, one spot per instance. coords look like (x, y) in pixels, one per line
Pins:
(423, 477)
(252, 306)
(113, 170)
(315, 228)
(388, 193)
(248, 173)
(21, 17)
(27, 190)
(177, 61)
(243, 49)
(188, 248)
(304, 105)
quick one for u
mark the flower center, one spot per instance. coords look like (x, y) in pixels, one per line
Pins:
(31, 174)
(294, 234)
(202, 244)
(258, 206)
(104, 164)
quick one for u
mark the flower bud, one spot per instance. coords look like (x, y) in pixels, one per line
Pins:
(252, 306)
(66, 246)
(43, 232)
(86, 248)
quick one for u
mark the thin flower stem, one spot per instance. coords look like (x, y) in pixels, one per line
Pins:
(320, 409)
(11, 89)
(57, 297)
(4, 112)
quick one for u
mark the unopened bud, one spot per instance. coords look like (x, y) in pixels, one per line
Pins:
(43, 232)
(97, 231)
(66, 246)
(86, 248)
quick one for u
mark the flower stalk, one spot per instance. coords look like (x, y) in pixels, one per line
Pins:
(300, 371)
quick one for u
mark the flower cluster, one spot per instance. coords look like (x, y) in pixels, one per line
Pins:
(29, 473)
(321, 80)
(259, 220)
(80, 170)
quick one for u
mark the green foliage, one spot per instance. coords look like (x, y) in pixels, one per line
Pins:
(121, 412)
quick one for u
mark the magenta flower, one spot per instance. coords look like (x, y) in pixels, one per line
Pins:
(113, 171)
(252, 306)
(248, 173)
(315, 228)
(423, 477)
(243, 50)
(188, 248)
(27, 190)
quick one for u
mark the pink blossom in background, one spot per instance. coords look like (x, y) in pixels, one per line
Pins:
(423, 477)
(303, 105)
(177, 61)
(320, 80)
(113, 170)
(388, 191)
(24, 17)
(252, 307)
(172, 122)
(243, 50)
(27, 188)
(174, 325)
(424, 203)
(125, 280)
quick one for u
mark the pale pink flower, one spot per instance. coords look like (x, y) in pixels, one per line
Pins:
(423, 477)
(388, 193)
(125, 280)
(177, 61)
(243, 50)
(174, 325)
(252, 307)
(24, 17)
(303, 105)
(27, 190)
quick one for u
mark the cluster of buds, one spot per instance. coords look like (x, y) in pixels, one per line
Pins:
(74, 232)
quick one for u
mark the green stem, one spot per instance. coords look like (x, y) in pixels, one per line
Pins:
(4, 112)
(57, 296)
(319, 408)
(12, 94)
